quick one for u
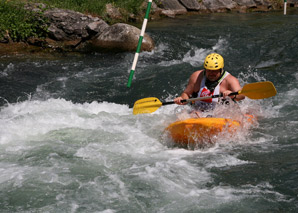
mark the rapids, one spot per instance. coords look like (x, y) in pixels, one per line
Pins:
(70, 143)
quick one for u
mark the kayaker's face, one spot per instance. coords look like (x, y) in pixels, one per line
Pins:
(213, 75)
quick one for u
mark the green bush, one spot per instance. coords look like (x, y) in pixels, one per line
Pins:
(20, 23)
(93, 6)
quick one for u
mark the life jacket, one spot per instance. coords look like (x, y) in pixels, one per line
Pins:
(212, 89)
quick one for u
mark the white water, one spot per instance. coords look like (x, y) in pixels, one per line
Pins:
(94, 155)
(79, 156)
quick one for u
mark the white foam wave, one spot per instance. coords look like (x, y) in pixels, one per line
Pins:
(195, 56)
(10, 67)
(30, 118)
(266, 64)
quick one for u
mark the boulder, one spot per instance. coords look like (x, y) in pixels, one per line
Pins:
(120, 37)
(262, 2)
(219, 5)
(191, 4)
(229, 4)
(67, 25)
(96, 27)
(246, 3)
(213, 5)
(172, 8)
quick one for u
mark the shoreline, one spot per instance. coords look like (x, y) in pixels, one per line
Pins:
(94, 41)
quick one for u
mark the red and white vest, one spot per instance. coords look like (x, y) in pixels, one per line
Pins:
(209, 104)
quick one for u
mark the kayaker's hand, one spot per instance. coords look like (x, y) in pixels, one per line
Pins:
(178, 101)
(226, 93)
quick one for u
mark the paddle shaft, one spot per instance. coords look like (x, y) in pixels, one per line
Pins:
(258, 90)
(199, 98)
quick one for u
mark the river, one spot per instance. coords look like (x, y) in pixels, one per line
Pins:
(70, 143)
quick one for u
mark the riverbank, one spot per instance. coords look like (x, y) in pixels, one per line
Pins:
(112, 29)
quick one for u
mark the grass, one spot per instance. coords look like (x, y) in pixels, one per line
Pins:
(93, 6)
(22, 24)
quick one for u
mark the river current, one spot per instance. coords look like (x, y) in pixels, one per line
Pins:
(70, 143)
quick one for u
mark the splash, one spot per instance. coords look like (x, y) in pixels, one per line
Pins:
(196, 56)
(32, 118)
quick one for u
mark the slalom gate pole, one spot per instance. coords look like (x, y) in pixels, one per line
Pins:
(285, 7)
(135, 60)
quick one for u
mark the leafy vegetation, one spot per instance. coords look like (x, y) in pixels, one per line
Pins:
(93, 6)
(19, 23)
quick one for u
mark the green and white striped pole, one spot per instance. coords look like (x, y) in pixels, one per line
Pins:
(135, 60)
(285, 7)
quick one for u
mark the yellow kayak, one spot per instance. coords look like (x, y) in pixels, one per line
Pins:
(196, 131)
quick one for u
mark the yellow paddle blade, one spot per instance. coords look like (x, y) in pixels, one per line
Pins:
(146, 105)
(259, 90)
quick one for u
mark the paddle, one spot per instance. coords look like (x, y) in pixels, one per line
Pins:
(258, 90)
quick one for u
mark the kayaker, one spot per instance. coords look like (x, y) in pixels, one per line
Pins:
(212, 80)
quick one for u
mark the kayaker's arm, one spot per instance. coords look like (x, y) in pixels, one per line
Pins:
(190, 88)
(233, 86)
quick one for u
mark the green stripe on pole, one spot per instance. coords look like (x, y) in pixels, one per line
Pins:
(139, 44)
(130, 78)
(148, 9)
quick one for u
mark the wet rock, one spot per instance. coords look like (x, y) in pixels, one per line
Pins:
(191, 5)
(219, 5)
(172, 8)
(120, 37)
(246, 3)
(87, 33)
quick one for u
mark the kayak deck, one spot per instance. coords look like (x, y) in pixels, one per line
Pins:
(194, 131)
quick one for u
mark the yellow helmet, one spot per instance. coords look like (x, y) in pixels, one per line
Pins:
(214, 61)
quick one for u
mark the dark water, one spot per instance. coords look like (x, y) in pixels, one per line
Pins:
(69, 141)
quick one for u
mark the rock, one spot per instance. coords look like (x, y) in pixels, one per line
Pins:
(6, 38)
(213, 5)
(262, 2)
(169, 13)
(96, 27)
(155, 11)
(219, 5)
(69, 25)
(172, 7)
(246, 3)
(229, 4)
(85, 33)
(191, 4)
(35, 7)
(113, 12)
(120, 37)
